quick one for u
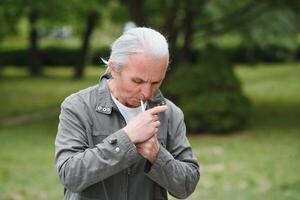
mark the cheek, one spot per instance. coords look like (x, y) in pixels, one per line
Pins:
(129, 88)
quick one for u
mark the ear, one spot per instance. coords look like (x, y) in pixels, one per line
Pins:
(112, 70)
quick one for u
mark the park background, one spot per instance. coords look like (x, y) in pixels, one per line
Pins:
(234, 71)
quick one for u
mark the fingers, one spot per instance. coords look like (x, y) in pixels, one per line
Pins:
(157, 109)
(156, 124)
(155, 118)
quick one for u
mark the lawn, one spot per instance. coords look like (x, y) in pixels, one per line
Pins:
(261, 162)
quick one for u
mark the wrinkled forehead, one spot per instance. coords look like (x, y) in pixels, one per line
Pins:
(146, 65)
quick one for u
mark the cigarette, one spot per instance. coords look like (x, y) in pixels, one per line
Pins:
(142, 106)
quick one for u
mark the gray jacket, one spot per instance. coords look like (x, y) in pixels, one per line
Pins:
(95, 158)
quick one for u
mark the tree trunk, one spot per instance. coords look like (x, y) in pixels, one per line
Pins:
(190, 13)
(34, 59)
(82, 54)
(171, 29)
(136, 11)
(192, 9)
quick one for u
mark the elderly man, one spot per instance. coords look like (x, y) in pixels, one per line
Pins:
(122, 139)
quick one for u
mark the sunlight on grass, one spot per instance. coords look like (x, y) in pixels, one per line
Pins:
(271, 83)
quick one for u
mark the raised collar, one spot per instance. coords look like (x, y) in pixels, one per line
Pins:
(105, 104)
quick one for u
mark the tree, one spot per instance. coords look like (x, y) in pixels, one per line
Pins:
(42, 14)
(91, 21)
(136, 8)
(208, 92)
(87, 16)
(9, 15)
(39, 14)
(202, 20)
(34, 58)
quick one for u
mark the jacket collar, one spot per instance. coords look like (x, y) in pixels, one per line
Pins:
(105, 104)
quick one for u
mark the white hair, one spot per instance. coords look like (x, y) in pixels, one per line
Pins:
(135, 41)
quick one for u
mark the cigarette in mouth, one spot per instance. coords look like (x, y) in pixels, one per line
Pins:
(142, 106)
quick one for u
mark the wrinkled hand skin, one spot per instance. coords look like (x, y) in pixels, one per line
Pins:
(142, 131)
(149, 149)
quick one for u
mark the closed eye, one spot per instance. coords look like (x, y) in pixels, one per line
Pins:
(140, 81)
(156, 82)
(137, 80)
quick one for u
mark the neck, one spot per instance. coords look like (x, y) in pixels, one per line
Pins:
(114, 91)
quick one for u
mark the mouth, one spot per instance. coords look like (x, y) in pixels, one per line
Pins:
(135, 103)
(139, 99)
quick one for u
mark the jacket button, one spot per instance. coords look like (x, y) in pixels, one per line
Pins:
(117, 149)
(113, 141)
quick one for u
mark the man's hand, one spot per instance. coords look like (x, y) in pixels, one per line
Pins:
(149, 149)
(144, 125)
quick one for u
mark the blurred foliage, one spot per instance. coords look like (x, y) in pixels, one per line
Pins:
(65, 55)
(14, 10)
(209, 94)
(51, 13)
(51, 56)
(195, 22)
(187, 24)
(9, 15)
(266, 30)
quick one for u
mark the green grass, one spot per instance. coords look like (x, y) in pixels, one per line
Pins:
(27, 162)
(22, 94)
(261, 162)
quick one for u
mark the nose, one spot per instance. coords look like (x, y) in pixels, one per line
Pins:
(146, 91)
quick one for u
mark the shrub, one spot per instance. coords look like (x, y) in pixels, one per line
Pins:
(209, 94)
(16, 57)
(59, 56)
(52, 56)
(67, 56)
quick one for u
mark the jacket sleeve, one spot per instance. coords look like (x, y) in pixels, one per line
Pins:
(80, 165)
(176, 169)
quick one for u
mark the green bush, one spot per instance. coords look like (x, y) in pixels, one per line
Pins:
(67, 56)
(59, 56)
(15, 57)
(210, 95)
(271, 53)
(52, 56)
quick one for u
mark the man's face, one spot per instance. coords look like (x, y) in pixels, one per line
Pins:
(139, 79)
